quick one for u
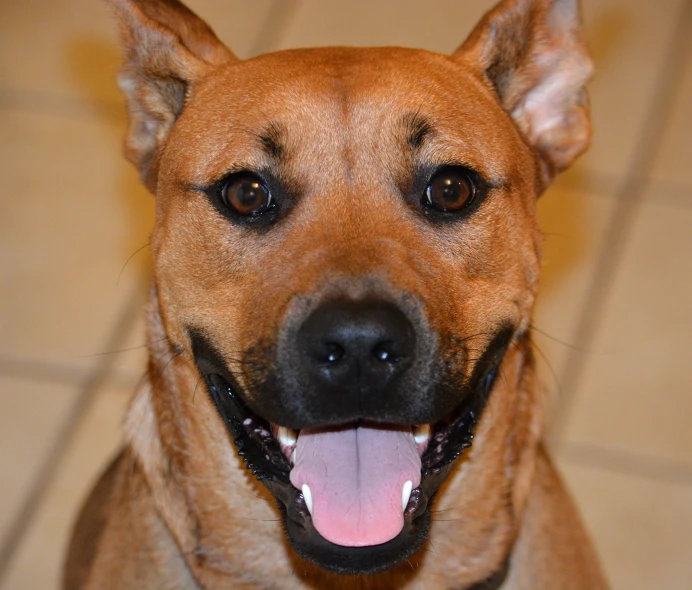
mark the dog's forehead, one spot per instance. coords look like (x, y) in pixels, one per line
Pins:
(337, 100)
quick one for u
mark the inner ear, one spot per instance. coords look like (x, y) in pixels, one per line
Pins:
(533, 55)
(168, 48)
(195, 34)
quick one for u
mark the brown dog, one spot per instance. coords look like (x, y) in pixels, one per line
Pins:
(346, 257)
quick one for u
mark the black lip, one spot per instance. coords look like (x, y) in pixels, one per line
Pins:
(358, 560)
(262, 454)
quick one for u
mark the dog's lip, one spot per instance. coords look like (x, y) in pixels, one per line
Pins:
(356, 560)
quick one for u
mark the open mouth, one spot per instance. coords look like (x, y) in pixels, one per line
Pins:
(355, 498)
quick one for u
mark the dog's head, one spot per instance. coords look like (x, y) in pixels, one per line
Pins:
(346, 244)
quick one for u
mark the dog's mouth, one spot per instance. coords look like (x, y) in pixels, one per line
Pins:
(355, 498)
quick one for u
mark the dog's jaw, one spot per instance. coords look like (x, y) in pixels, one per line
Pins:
(258, 443)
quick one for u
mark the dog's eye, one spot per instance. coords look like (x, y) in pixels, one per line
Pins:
(450, 190)
(246, 194)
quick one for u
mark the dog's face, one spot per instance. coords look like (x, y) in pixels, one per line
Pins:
(346, 243)
(390, 225)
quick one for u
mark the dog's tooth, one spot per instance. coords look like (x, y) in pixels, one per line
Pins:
(307, 494)
(294, 455)
(406, 494)
(287, 436)
(421, 433)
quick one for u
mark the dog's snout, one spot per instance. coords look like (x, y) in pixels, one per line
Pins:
(357, 347)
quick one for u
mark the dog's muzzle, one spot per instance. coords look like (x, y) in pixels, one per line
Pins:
(347, 360)
(355, 430)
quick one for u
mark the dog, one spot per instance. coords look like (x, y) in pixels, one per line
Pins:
(341, 391)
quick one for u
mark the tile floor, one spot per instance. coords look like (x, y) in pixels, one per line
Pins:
(614, 316)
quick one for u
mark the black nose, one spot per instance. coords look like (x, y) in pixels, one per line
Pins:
(356, 347)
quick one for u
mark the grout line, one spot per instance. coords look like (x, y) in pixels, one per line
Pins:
(41, 371)
(53, 103)
(37, 370)
(273, 27)
(587, 180)
(124, 324)
(670, 193)
(127, 381)
(629, 199)
(113, 111)
(627, 463)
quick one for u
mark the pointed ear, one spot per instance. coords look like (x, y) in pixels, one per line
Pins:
(533, 54)
(167, 49)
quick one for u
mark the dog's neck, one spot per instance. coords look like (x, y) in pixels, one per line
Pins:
(197, 487)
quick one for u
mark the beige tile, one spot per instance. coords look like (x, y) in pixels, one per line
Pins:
(669, 192)
(31, 416)
(439, 25)
(641, 527)
(673, 165)
(575, 225)
(238, 23)
(70, 47)
(71, 213)
(634, 394)
(38, 561)
(628, 41)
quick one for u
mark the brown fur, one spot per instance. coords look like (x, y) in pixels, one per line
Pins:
(178, 509)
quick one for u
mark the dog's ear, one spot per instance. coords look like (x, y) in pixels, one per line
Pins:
(167, 49)
(534, 55)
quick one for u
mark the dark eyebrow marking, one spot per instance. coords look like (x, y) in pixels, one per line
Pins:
(418, 128)
(272, 141)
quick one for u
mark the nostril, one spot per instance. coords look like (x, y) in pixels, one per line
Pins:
(385, 353)
(355, 345)
(331, 353)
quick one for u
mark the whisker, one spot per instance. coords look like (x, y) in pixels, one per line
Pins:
(554, 339)
(145, 345)
(137, 251)
(194, 392)
(446, 510)
(549, 365)
(429, 540)
(176, 354)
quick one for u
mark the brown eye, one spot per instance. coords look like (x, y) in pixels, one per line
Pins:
(247, 195)
(450, 190)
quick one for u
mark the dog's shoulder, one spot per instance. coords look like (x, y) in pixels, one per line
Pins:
(119, 536)
(552, 539)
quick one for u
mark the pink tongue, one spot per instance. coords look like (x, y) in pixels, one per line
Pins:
(356, 478)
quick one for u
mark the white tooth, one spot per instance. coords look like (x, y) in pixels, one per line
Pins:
(293, 456)
(287, 436)
(307, 494)
(421, 433)
(405, 494)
